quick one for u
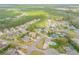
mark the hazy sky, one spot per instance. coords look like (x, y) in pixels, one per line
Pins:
(39, 1)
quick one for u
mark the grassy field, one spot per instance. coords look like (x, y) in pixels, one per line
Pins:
(12, 18)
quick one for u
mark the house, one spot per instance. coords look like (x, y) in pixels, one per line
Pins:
(1, 33)
(25, 38)
(46, 44)
(72, 27)
(77, 30)
(54, 36)
(3, 43)
(32, 34)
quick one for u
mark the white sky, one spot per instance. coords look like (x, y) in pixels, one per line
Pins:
(39, 1)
